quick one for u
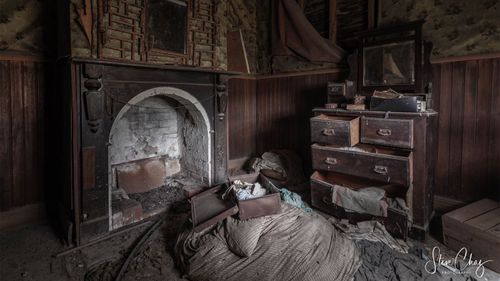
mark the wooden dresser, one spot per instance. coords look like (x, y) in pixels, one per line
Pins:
(394, 151)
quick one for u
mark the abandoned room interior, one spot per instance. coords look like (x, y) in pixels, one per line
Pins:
(256, 140)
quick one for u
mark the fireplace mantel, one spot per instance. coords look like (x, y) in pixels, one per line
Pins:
(153, 65)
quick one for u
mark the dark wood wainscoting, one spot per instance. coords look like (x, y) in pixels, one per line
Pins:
(22, 123)
(467, 96)
(272, 112)
(242, 117)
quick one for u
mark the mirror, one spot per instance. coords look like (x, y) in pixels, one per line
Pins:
(389, 64)
(167, 25)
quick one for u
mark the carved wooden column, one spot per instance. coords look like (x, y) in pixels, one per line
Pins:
(221, 134)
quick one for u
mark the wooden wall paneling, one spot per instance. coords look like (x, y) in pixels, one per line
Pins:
(18, 148)
(466, 97)
(21, 133)
(41, 87)
(30, 135)
(436, 79)
(5, 138)
(479, 188)
(242, 117)
(444, 110)
(469, 171)
(456, 127)
(284, 106)
(494, 144)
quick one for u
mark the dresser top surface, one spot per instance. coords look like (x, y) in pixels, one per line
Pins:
(338, 111)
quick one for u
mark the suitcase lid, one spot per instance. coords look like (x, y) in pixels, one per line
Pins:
(208, 208)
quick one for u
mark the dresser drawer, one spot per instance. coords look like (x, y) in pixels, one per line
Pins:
(339, 130)
(365, 161)
(390, 132)
(322, 184)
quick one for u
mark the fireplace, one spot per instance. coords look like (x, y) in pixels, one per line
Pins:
(139, 135)
(159, 142)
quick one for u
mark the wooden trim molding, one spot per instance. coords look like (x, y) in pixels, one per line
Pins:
(466, 58)
(22, 216)
(290, 74)
(23, 57)
(443, 204)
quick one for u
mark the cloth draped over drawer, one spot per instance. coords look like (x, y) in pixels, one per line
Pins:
(293, 34)
(370, 200)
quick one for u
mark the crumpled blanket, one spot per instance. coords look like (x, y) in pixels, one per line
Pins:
(380, 262)
(293, 245)
(369, 200)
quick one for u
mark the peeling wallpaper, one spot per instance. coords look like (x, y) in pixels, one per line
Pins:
(25, 28)
(232, 15)
(456, 28)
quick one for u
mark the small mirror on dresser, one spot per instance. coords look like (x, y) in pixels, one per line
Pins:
(393, 58)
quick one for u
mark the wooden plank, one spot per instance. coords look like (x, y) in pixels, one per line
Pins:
(332, 20)
(237, 59)
(466, 58)
(4, 56)
(88, 167)
(470, 158)
(41, 124)
(486, 220)
(473, 210)
(458, 245)
(28, 214)
(436, 82)
(241, 116)
(480, 243)
(495, 230)
(444, 205)
(494, 139)
(456, 128)
(480, 188)
(5, 137)
(32, 183)
(444, 131)
(18, 148)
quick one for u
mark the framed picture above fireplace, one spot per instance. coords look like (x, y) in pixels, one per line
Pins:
(167, 25)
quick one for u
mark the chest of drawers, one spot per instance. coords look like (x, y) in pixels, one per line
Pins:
(393, 149)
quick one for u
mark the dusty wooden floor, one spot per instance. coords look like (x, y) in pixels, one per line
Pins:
(28, 254)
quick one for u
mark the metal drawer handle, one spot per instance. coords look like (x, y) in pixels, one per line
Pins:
(326, 200)
(384, 132)
(328, 132)
(331, 161)
(381, 170)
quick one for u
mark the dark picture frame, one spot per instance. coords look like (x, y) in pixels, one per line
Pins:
(167, 26)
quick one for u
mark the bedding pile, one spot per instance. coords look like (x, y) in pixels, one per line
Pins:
(293, 245)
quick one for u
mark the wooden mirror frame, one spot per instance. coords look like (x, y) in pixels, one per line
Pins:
(401, 33)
